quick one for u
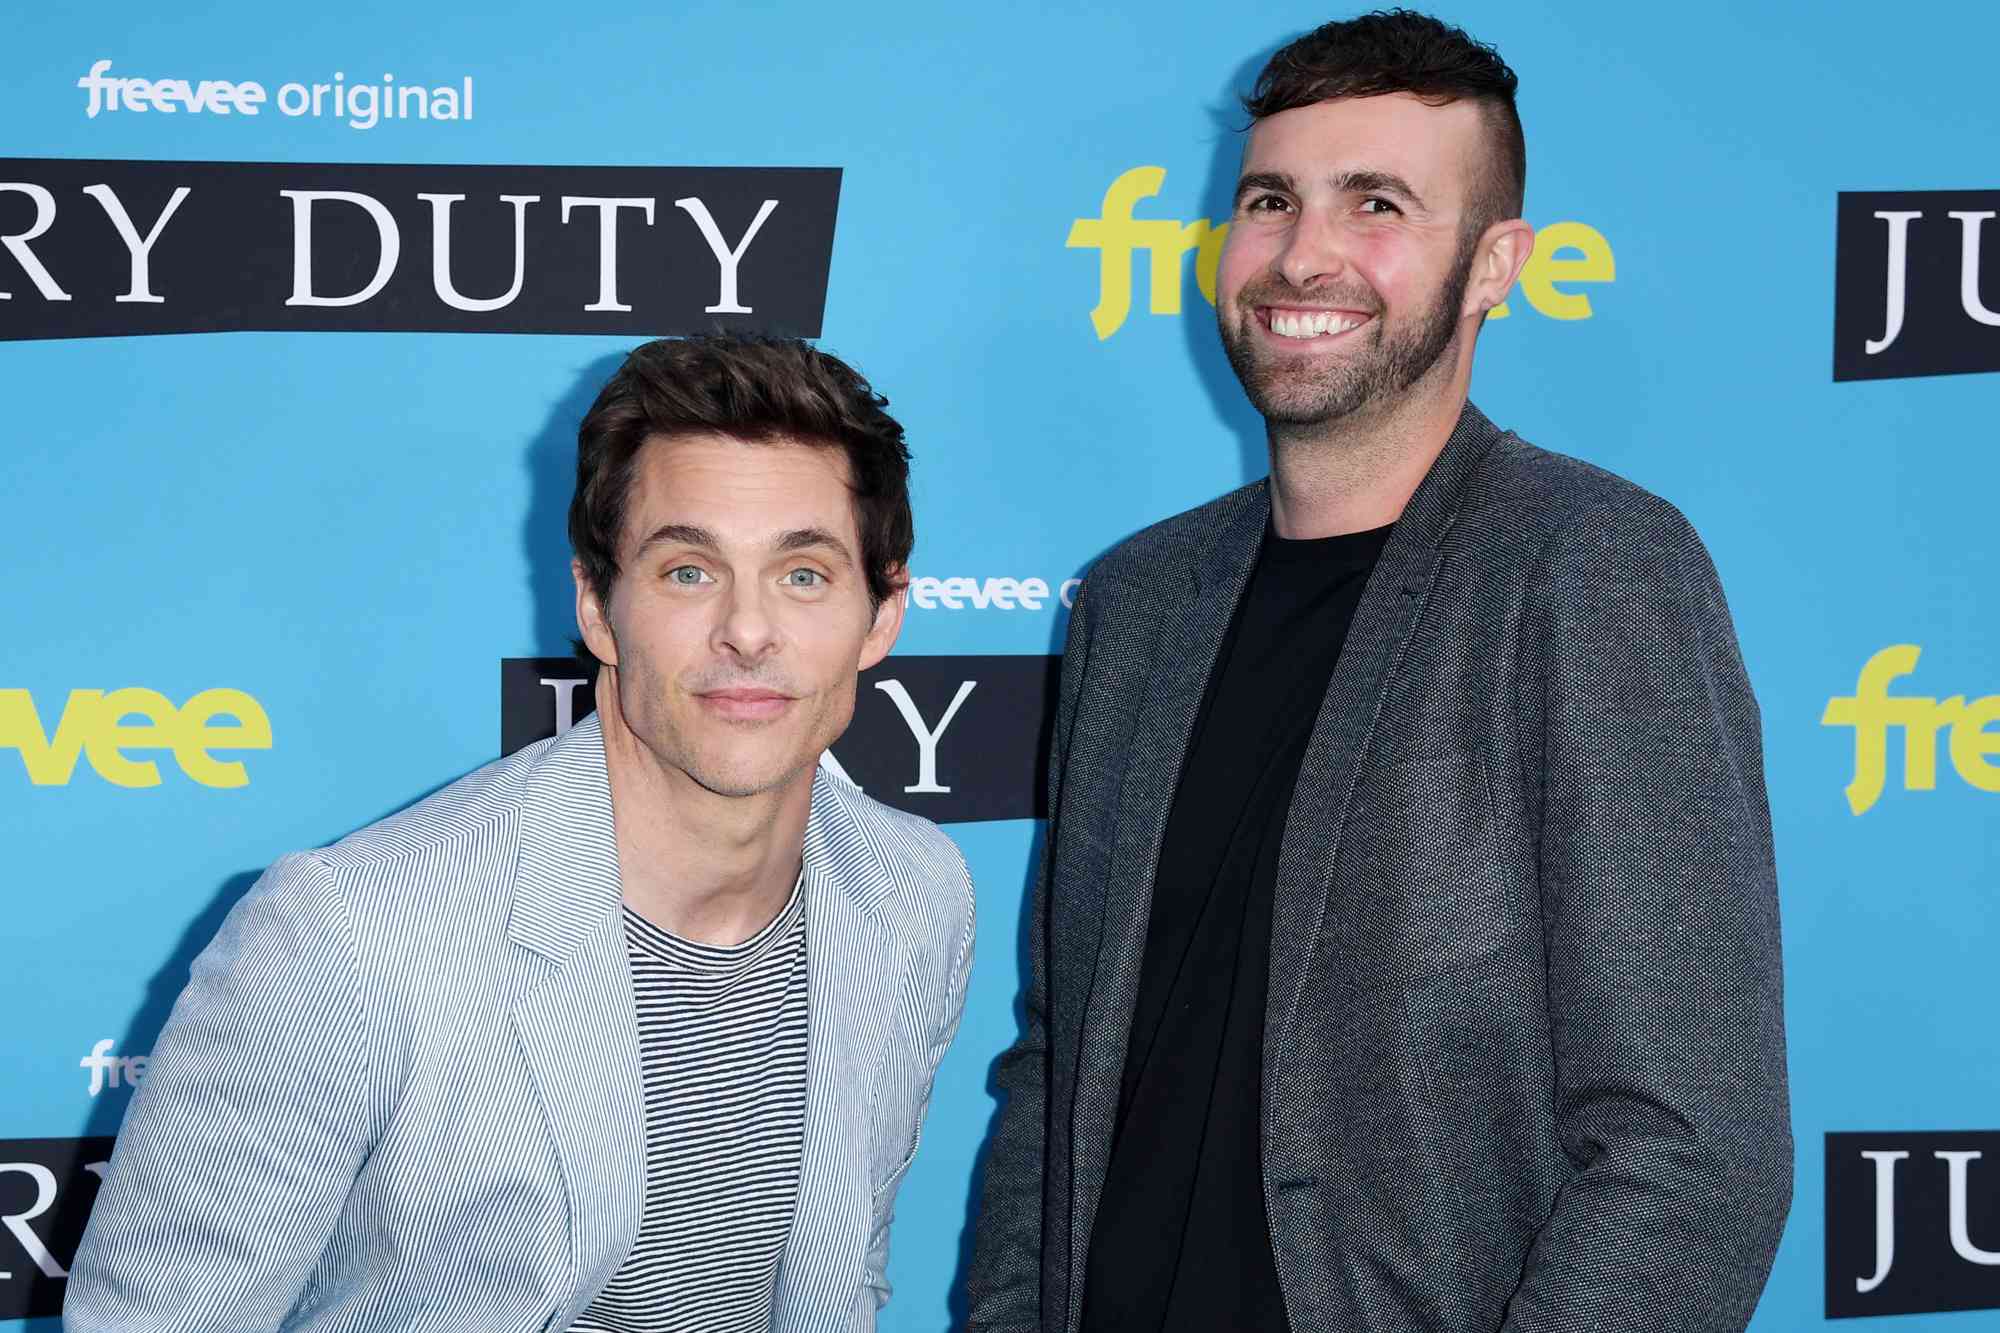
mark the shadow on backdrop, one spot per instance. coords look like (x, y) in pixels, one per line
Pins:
(107, 1111)
(545, 529)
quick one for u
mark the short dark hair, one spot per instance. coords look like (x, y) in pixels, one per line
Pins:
(1402, 51)
(753, 388)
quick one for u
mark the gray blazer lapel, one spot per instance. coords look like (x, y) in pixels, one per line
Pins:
(1383, 622)
(850, 989)
(1183, 659)
(573, 1009)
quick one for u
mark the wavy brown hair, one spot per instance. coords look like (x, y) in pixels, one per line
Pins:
(752, 388)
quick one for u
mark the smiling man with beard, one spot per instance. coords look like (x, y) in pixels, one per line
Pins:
(1405, 949)
(633, 1030)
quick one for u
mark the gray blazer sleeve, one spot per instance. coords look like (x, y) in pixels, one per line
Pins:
(239, 1150)
(1659, 905)
(1004, 1284)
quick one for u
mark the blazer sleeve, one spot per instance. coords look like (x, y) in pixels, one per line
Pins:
(1004, 1284)
(1660, 915)
(875, 1273)
(239, 1149)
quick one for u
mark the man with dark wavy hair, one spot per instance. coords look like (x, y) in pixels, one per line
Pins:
(633, 1029)
(1405, 948)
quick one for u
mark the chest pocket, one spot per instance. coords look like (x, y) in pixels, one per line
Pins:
(1420, 889)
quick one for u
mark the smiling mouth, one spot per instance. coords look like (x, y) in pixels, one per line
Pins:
(1308, 325)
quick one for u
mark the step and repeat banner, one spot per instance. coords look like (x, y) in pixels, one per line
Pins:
(281, 514)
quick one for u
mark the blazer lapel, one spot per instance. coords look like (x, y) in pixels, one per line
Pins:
(1182, 661)
(850, 992)
(1387, 615)
(573, 1011)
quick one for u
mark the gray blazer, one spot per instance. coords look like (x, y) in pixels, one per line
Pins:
(1524, 1061)
(402, 1089)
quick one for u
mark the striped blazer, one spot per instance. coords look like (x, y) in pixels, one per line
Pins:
(401, 1090)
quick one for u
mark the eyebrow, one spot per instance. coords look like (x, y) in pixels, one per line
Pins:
(792, 539)
(1375, 182)
(806, 539)
(678, 534)
(1263, 180)
(1346, 182)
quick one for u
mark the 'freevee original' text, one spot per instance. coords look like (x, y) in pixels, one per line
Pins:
(362, 105)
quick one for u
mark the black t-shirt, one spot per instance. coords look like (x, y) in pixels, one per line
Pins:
(1181, 1241)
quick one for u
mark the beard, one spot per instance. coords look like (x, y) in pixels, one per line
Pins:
(1312, 391)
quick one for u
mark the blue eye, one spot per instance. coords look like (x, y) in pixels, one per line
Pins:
(805, 578)
(687, 575)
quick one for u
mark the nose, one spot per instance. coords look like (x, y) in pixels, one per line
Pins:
(746, 627)
(1313, 251)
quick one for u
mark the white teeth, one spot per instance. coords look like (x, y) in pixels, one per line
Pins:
(1312, 324)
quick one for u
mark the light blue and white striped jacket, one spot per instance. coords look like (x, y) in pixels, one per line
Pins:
(401, 1090)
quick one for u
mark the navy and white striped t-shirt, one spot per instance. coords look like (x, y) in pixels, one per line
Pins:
(722, 1048)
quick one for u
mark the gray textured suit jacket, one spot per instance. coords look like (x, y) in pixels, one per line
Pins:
(402, 1089)
(1523, 1057)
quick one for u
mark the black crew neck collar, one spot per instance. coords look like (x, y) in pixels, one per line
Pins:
(1345, 547)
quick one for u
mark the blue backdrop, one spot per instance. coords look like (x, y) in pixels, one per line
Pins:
(351, 528)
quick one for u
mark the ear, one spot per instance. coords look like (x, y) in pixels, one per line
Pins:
(591, 621)
(888, 621)
(1502, 254)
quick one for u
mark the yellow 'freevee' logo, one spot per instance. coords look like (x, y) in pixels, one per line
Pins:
(1564, 252)
(1871, 711)
(97, 724)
